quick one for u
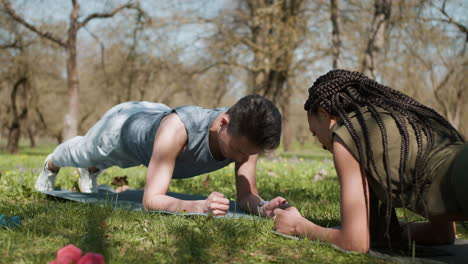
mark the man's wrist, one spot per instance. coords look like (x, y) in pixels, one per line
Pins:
(260, 206)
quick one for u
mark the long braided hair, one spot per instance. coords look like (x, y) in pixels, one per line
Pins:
(340, 92)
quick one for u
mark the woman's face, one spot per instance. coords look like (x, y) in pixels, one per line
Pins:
(320, 124)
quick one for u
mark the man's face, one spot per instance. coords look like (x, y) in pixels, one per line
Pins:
(237, 148)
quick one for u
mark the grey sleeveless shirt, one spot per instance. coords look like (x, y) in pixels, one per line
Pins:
(138, 132)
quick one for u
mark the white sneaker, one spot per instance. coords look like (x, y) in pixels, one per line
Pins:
(46, 180)
(88, 181)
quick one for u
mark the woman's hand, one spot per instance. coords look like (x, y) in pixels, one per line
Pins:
(216, 204)
(268, 208)
(287, 221)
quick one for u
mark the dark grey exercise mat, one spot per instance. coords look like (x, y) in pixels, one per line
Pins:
(132, 200)
(453, 254)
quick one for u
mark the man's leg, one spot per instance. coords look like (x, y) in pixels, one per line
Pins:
(46, 180)
(99, 149)
(75, 152)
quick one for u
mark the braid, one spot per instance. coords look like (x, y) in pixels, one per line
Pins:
(340, 92)
(383, 132)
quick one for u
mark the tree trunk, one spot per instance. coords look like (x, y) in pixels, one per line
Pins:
(1, 140)
(336, 39)
(59, 138)
(376, 42)
(287, 137)
(15, 127)
(276, 34)
(71, 119)
(70, 122)
(13, 138)
(32, 137)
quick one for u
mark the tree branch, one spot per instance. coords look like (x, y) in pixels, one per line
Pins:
(438, 88)
(12, 13)
(111, 14)
(13, 45)
(450, 20)
(16, 45)
(447, 20)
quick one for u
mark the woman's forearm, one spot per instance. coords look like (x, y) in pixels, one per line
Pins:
(312, 231)
(338, 237)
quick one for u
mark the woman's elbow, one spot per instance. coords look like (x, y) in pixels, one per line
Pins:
(356, 244)
(361, 248)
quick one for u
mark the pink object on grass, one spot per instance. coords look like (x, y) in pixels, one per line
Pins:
(71, 254)
(92, 258)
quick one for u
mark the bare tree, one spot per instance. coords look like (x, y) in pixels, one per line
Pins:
(268, 32)
(336, 38)
(376, 41)
(70, 45)
(425, 39)
(452, 100)
(452, 109)
(19, 114)
(16, 76)
(22, 96)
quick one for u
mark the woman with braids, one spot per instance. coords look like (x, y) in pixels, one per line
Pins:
(389, 151)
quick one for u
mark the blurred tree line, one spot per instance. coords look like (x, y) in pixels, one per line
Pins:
(64, 63)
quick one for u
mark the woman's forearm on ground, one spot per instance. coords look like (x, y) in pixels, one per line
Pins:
(314, 232)
(171, 204)
(338, 237)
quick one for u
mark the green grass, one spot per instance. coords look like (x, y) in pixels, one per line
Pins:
(139, 237)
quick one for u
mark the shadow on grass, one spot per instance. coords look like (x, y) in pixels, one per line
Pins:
(200, 239)
(192, 242)
(326, 190)
(79, 224)
(95, 238)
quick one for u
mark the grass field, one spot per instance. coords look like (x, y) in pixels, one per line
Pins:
(139, 237)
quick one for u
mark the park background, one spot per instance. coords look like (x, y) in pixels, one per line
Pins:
(60, 72)
(64, 63)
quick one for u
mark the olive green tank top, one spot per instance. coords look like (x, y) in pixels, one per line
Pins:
(433, 194)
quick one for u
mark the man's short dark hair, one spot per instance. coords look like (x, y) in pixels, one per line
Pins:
(258, 119)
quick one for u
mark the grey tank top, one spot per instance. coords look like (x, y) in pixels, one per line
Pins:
(138, 132)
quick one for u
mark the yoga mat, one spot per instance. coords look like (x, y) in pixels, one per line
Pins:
(454, 254)
(132, 200)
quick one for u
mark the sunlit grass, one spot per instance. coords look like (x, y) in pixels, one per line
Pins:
(308, 181)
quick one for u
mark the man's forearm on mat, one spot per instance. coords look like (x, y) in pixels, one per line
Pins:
(171, 204)
(249, 203)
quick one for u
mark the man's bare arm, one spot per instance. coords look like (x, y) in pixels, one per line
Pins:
(170, 140)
